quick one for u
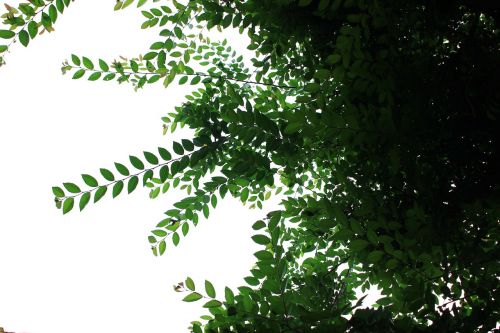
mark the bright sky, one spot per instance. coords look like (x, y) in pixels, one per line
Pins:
(94, 271)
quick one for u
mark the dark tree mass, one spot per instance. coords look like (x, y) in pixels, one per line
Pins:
(378, 122)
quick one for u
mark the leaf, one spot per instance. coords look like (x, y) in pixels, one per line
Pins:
(151, 158)
(84, 200)
(263, 255)
(193, 297)
(122, 169)
(190, 284)
(195, 80)
(94, 76)
(58, 192)
(117, 188)
(188, 145)
(75, 60)
(162, 247)
(185, 229)
(206, 211)
(159, 233)
(312, 87)
(136, 162)
(375, 256)
(209, 288)
(7, 34)
(108, 175)
(32, 29)
(164, 154)
(99, 193)
(68, 205)
(176, 238)
(333, 59)
(358, 245)
(90, 181)
(229, 295)
(212, 304)
(177, 147)
(261, 239)
(132, 184)
(78, 74)
(73, 188)
(258, 225)
(164, 172)
(87, 63)
(322, 74)
(303, 3)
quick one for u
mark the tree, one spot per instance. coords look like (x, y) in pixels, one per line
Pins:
(378, 122)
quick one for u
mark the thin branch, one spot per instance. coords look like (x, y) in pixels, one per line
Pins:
(138, 73)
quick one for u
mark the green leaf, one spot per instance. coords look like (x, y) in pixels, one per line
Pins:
(84, 200)
(312, 87)
(188, 145)
(209, 288)
(122, 169)
(258, 225)
(117, 188)
(177, 147)
(304, 3)
(103, 65)
(68, 205)
(73, 188)
(78, 74)
(263, 255)
(94, 76)
(190, 284)
(164, 173)
(136, 162)
(132, 184)
(87, 63)
(375, 256)
(58, 192)
(206, 211)
(176, 238)
(108, 175)
(151, 158)
(162, 247)
(164, 154)
(185, 229)
(358, 245)
(261, 239)
(183, 80)
(212, 304)
(53, 13)
(229, 295)
(90, 181)
(75, 60)
(7, 34)
(24, 37)
(159, 233)
(333, 59)
(3, 48)
(322, 74)
(33, 29)
(193, 297)
(99, 193)
(195, 80)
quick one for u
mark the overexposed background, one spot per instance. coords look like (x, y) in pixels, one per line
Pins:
(94, 271)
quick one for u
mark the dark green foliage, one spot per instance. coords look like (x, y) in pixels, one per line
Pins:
(380, 121)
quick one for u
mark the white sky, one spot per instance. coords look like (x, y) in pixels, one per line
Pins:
(94, 271)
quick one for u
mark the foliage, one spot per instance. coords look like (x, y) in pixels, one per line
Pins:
(377, 121)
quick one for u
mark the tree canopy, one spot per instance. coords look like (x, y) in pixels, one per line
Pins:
(376, 121)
